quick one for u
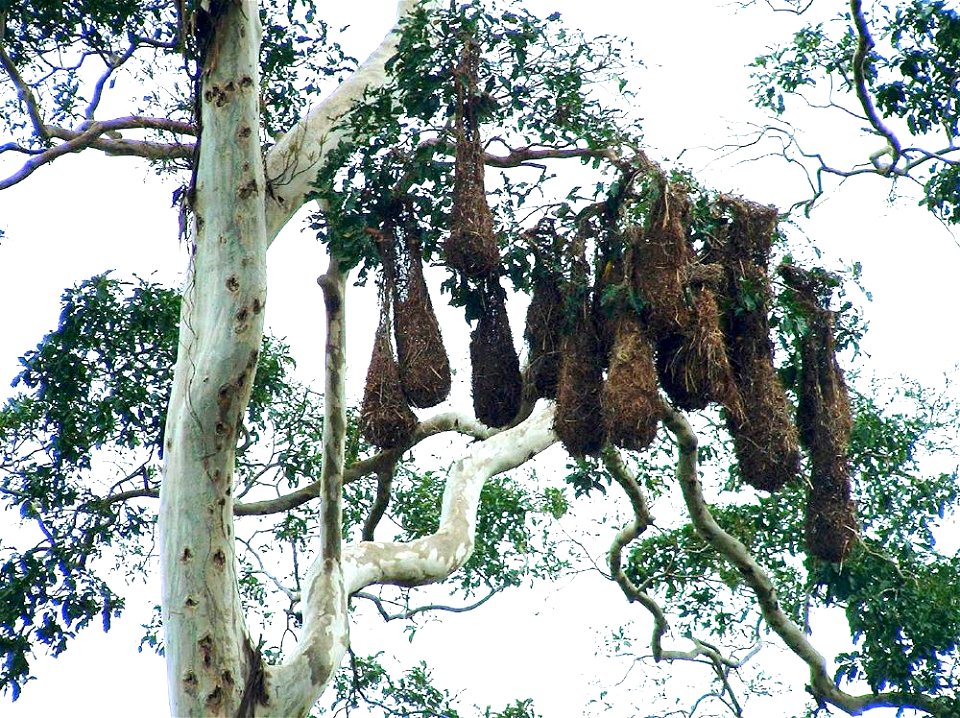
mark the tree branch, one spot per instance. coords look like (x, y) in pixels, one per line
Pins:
(448, 421)
(821, 685)
(410, 613)
(293, 162)
(864, 45)
(299, 680)
(380, 503)
(433, 558)
(24, 93)
(333, 284)
(91, 135)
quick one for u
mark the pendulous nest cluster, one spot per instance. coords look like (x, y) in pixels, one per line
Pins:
(659, 308)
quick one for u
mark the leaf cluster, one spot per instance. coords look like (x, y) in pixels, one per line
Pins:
(85, 430)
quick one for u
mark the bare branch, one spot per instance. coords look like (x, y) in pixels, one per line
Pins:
(112, 66)
(448, 421)
(333, 284)
(91, 136)
(434, 557)
(380, 503)
(411, 612)
(860, 57)
(24, 93)
(290, 594)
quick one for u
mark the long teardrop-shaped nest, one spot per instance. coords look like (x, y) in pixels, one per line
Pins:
(765, 438)
(386, 420)
(542, 333)
(632, 407)
(692, 365)
(424, 366)
(578, 420)
(496, 381)
(472, 246)
(661, 255)
(825, 424)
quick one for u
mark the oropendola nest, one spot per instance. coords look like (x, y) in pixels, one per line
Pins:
(631, 404)
(765, 439)
(692, 365)
(386, 420)
(543, 335)
(831, 528)
(496, 382)
(578, 420)
(825, 423)
(661, 255)
(472, 246)
(424, 366)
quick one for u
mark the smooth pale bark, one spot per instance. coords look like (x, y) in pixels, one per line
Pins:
(433, 558)
(293, 162)
(212, 670)
(298, 682)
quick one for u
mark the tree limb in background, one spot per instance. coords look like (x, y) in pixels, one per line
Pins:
(821, 684)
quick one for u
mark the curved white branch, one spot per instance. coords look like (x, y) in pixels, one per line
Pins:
(435, 557)
(292, 163)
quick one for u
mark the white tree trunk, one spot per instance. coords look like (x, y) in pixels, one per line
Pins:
(211, 668)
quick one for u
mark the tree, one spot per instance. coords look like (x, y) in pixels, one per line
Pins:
(646, 283)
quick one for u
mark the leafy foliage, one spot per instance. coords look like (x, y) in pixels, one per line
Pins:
(367, 685)
(85, 432)
(537, 79)
(507, 548)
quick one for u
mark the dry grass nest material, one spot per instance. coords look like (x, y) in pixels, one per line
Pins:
(660, 257)
(825, 424)
(496, 381)
(386, 420)
(831, 528)
(542, 333)
(693, 366)
(765, 439)
(578, 421)
(424, 366)
(472, 246)
(631, 404)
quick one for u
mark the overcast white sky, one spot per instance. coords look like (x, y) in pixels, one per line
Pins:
(86, 214)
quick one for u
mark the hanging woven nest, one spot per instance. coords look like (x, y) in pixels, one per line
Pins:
(542, 334)
(632, 407)
(693, 366)
(825, 423)
(578, 420)
(386, 420)
(496, 381)
(661, 255)
(831, 529)
(609, 280)
(472, 246)
(765, 439)
(424, 366)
